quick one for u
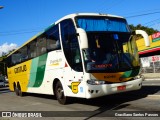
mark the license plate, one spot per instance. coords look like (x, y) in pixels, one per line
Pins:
(121, 87)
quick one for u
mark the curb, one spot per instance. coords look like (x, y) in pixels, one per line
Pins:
(153, 95)
(145, 79)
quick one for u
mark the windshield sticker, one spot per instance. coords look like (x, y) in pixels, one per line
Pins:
(102, 66)
(115, 36)
(81, 89)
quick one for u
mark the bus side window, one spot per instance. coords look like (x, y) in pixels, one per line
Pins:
(41, 45)
(32, 49)
(16, 58)
(53, 40)
(23, 54)
(53, 44)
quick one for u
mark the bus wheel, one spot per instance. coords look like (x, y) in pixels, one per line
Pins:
(16, 90)
(20, 93)
(59, 92)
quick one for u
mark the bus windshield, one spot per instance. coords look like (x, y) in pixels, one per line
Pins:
(112, 47)
(102, 24)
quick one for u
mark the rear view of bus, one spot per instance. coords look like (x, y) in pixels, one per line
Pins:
(83, 55)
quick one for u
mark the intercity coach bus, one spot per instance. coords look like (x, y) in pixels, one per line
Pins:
(84, 55)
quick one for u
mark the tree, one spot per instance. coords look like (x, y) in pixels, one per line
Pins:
(149, 31)
(3, 62)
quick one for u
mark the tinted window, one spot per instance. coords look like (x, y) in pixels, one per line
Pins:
(33, 46)
(23, 53)
(52, 36)
(71, 45)
(45, 42)
(41, 45)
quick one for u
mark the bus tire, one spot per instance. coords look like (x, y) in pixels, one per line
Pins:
(59, 93)
(20, 93)
(16, 89)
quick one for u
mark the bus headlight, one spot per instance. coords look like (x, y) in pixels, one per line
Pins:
(95, 82)
(137, 77)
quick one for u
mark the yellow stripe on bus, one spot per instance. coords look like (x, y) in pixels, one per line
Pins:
(19, 73)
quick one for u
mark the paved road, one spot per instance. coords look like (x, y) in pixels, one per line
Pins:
(147, 99)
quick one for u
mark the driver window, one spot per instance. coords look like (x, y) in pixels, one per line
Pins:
(70, 44)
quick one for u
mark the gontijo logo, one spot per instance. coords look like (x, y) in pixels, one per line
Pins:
(20, 69)
(55, 62)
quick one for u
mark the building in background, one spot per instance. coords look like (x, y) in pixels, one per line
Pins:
(150, 56)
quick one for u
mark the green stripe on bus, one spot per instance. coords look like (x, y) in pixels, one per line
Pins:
(33, 72)
(126, 74)
(131, 73)
(40, 70)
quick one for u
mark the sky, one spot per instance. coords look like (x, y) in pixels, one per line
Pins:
(22, 19)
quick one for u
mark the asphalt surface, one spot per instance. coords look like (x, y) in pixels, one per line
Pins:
(145, 100)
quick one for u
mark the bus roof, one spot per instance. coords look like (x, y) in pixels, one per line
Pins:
(86, 14)
(63, 18)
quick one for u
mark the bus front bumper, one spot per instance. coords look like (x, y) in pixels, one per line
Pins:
(94, 91)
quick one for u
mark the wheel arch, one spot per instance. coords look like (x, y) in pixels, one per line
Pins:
(54, 85)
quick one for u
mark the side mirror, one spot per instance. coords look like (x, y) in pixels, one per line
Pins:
(82, 38)
(145, 36)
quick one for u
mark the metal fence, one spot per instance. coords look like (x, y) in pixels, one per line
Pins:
(150, 64)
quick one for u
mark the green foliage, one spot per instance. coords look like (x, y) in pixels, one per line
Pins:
(149, 31)
(3, 65)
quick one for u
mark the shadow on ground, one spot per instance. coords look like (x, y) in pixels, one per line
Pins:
(107, 103)
(112, 100)
(119, 101)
